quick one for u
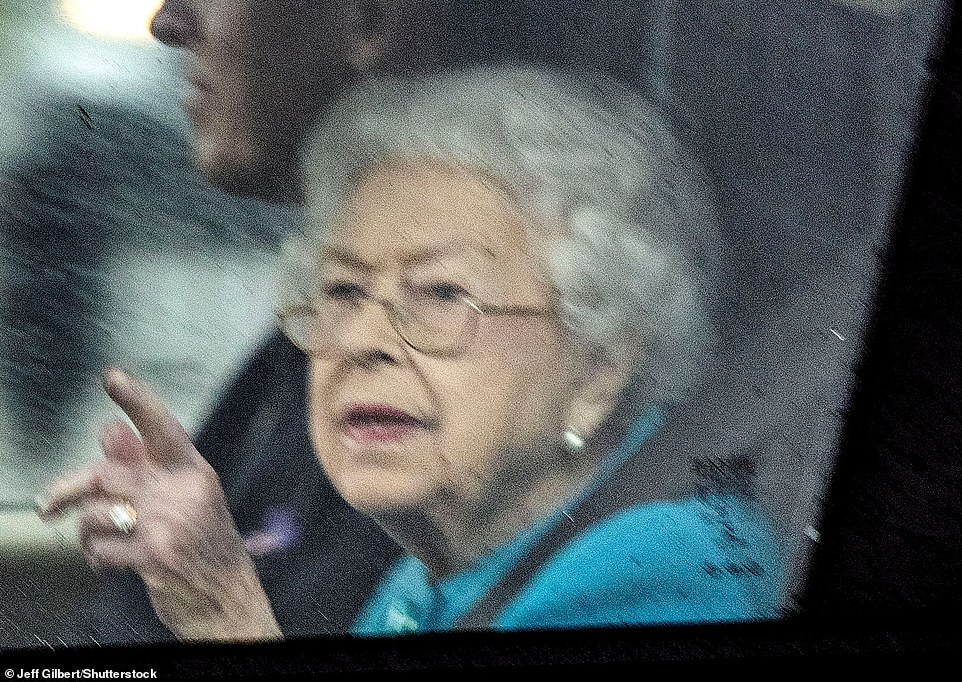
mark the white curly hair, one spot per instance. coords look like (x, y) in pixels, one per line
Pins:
(630, 220)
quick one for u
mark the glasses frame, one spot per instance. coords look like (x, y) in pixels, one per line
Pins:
(398, 322)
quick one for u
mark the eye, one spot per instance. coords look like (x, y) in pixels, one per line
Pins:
(447, 292)
(343, 291)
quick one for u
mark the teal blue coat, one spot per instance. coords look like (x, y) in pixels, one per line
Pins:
(693, 560)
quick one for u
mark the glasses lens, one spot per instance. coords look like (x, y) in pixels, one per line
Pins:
(434, 320)
(308, 329)
(431, 321)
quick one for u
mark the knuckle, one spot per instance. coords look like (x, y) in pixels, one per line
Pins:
(203, 488)
(162, 545)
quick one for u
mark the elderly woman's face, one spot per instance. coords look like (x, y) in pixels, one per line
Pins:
(396, 428)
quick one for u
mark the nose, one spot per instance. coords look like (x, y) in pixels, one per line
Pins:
(175, 24)
(369, 336)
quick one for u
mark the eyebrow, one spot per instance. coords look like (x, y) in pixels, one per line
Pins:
(343, 257)
(347, 258)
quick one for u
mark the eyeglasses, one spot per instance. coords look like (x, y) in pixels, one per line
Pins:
(439, 319)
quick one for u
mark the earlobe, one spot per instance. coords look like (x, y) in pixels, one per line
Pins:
(597, 395)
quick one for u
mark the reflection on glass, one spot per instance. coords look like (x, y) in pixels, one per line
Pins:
(116, 19)
(587, 206)
(654, 452)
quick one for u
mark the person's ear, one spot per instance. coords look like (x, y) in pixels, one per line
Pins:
(600, 387)
(372, 30)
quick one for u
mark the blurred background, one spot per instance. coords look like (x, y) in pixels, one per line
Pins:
(113, 251)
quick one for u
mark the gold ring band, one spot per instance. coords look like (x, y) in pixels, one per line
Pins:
(124, 517)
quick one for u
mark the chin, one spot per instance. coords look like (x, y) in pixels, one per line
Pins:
(380, 492)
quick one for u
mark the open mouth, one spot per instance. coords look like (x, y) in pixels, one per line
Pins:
(377, 423)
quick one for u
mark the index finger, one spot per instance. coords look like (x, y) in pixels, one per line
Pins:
(164, 439)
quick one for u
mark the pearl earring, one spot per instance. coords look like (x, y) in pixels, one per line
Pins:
(574, 440)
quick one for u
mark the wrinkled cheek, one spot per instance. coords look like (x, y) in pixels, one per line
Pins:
(506, 347)
(519, 359)
(319, 412)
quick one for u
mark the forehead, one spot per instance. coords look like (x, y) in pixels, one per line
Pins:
(405, 210)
